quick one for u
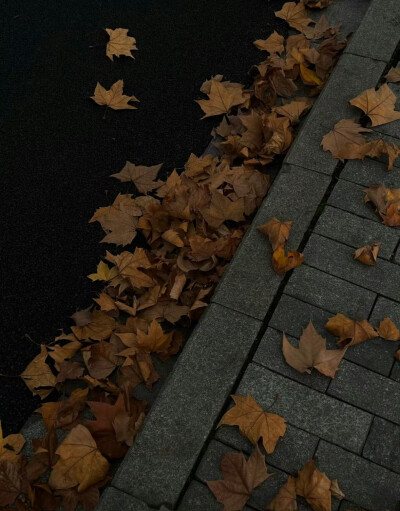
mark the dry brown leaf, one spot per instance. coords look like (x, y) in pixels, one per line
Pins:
(10, 446)
(240, 477)
(113, 97)
(368, 254)
(374, 149)
(295, 15)
(314, 486)
(283, 263)
(277, 232)
(285, 500)
(397, 355)
(311, 353)
(393, 75)
(388, 330)
(221, 208)
(120, 43)
(141, 176)
(294, 109)
(255, 423)
(96, 325)
(378, 105)
(64, 414)
(222, 98)
(336, 491)
(345, 132)
(38, 376)
(155, 340)
(81, 463)
(349, 331)
(273, 44)
(321, 30)
(317, 4)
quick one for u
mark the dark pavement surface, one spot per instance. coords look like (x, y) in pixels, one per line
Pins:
(57, 151)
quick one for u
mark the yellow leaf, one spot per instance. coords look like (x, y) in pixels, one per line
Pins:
(120, 43)
(104, 272)
(114, 98)
(309, 76)
(282, 262)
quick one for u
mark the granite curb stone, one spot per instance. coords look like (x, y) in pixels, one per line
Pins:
(113, 499)
(379, 33)
(199, 498)
(159, 462)
(367, 172)
(250, 284)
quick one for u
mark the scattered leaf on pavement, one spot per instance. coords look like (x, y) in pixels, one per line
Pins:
(349, 331)
(368, 254)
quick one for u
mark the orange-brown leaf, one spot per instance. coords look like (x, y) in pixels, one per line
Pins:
(345, 132)
(277, 232)
(378, 105)
(113, 97)
(388, 330)
(283, 263)
(314, 486)
(294, 14)
(349, 331)
(255, 423)
(368, 254)
(285, 500)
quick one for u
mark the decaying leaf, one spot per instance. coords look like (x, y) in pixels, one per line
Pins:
(314, 486)
(368, 254)
(388, 330)
(378, 105)
(255, 423)
(349, 331)
(393, 75)
(240, 477)
(120, 43)
(283, 263)
(311, 353)
(113, 97)
(285, 500)
(345, 132)
(374, 149)
(222, 97)
(66, 413)
(143, 177)
(81, 463)
(38, 376)
(277, 232)
(273, 44)
(295, 15)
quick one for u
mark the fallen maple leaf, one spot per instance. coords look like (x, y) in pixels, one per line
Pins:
(285, 500)
(95, 325)
(378, 105)
(13, 482)
(349, 331)
(120, 43)
(222, 98)
(373, 148)
(283, 263)
(277, 232)
(255, 423)
(336, 491)
(311, 353)
(81, 463)
(314, 486)
(294, 14)
(393, 75)
(38, 376)
(388, 330)
(368, 254)
(141, 176)
(294, 109)
(104, 272)
(113, 98)
(273, 44)
(345, 132)
(240, 477)
(320, 30)
(64, 414)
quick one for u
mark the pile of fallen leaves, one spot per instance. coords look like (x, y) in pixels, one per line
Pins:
(191, 225)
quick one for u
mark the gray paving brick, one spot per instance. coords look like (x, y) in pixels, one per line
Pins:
(114, 499)
(347, 14)
(385, 308)
(350, 197)
(156, 468)
(351, 75)
(250, 284)
(199, 498)
(375, 354)
(306, 408)
(368, 390)
(383, 444)
(396, 258)
(355, 231)
(326, 291)
(292, 451)
(395, 374)
(269, 354)
(379, 32)
(364, 483)
(345, 505)
(335, 258)
(209, 470)
(366, 172)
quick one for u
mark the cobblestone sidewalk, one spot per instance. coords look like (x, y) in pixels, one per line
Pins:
(350, 424)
